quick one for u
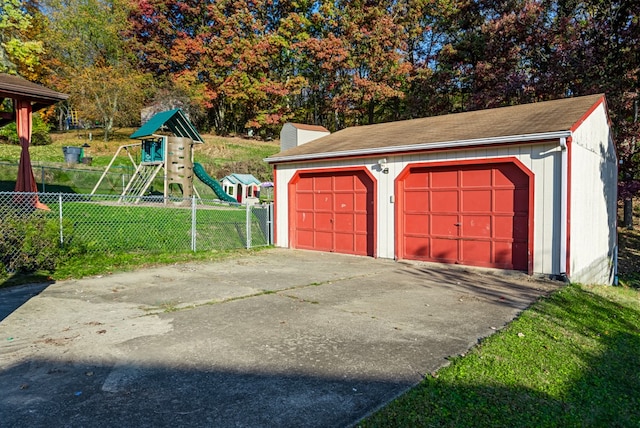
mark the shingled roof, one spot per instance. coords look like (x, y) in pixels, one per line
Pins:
(525, 122)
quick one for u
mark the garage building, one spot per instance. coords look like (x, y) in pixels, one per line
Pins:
(529, 188)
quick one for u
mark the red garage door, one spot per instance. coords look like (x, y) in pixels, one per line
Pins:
(473, 214)
(332, 211)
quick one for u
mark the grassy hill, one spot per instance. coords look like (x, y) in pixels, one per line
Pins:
(219, 155)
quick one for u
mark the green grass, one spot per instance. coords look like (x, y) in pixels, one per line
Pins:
(219, 155)
(572, 360)
(107, 263)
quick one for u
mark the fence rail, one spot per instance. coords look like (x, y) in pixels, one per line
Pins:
(80, 178)
(102, 223)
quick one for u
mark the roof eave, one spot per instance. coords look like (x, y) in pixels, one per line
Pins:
(444, 145)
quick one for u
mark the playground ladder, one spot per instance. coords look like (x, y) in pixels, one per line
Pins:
(140, 181)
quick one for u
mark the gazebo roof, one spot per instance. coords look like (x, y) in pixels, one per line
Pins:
(17, 87)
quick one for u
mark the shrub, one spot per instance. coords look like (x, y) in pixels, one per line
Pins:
(30, 242)
(39, 133)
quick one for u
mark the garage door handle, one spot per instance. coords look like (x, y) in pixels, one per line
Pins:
(457, 224)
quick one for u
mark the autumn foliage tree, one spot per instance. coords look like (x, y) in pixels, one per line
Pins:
(88, 60)
(249, 66)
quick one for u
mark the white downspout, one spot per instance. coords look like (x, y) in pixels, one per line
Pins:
(564, 191)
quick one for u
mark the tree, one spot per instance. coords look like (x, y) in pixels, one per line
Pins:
(17, 51)
(91, 63)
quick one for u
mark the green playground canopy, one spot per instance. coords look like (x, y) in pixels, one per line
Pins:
(175, 120)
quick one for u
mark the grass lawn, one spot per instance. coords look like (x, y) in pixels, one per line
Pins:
(219, 155)
(571, 360)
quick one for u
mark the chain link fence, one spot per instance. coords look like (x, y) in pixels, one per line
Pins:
(113, 223)
(81, 178)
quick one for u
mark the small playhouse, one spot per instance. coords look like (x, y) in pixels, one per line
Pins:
(530, 188)
(244, 187)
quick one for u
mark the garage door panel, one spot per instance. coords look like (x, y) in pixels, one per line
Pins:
(488, 202)
(323, 221)
(305, 201)
(417, 181)
(343, 183)
(444, 250)
(344, 243)
(444, 225)
(476, 226)
(520, 253)
(504, 201)
(521, 200)
(362, 245)
(344, 202)
(476, 200)
(475, 178)
(323, 183)
(305, 239)
(305, 220)
(362, 201)
(443, 179)
(442, 200)
(416, 247)
(520, 228)
(416, 202)
(503, 227)
(323, 241)
(305, 185)
(323, 201)
(504, 253)
(343, 223)
(362, 225)
(476, 251)
(416, 224)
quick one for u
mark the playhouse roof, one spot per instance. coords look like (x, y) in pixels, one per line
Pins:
(525, 122)
(175, 120)
(246, 179)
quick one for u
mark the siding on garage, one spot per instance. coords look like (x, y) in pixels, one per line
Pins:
(593, 200)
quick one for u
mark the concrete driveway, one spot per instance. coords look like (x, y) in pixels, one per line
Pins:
(277, 338)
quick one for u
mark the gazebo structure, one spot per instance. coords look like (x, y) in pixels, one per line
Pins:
(28, 97)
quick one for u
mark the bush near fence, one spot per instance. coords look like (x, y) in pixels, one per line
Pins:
(81, 223)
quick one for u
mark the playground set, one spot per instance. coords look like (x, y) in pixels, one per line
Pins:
(171, 154)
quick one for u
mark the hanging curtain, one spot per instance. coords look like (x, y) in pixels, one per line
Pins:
(26, 182)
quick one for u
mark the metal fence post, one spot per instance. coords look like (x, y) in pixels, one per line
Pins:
(42, 172)
(248, 226)
(270, 220)
(60, 218)
(193, 223)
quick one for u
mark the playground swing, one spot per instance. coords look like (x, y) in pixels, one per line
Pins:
(172, 154)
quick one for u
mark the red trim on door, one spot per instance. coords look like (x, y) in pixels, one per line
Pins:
(291, 188)
(400, 226)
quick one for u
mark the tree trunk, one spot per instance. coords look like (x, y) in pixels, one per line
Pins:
(628, 213)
